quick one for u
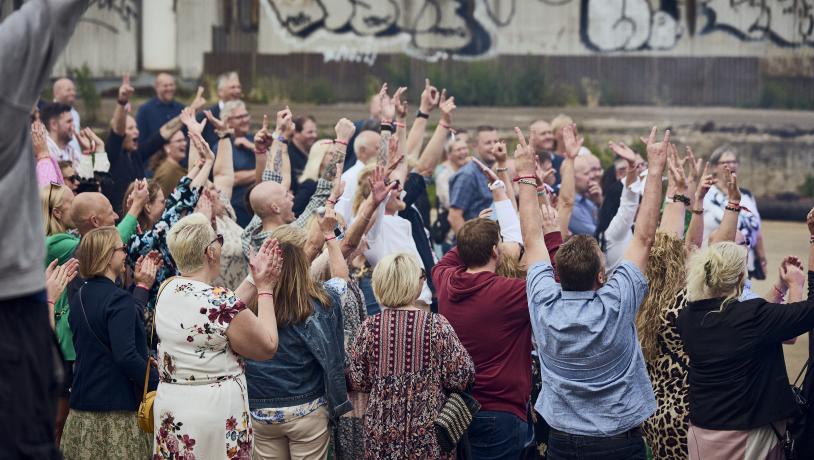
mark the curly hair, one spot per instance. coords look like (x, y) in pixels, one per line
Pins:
(666, 276)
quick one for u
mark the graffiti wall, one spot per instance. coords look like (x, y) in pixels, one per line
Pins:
(467, 29)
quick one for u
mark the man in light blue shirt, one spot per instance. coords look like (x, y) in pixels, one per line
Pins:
(587, 173)
(596, 390)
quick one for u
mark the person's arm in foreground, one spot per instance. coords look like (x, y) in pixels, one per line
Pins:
(531, 219)
(568, 189)
(672, 221)
(645, 232)
(429, 100)
(434, 152)
(250, 335)
(729, 224)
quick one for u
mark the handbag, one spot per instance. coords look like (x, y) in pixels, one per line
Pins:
(456, 415)
(146, 417)
(796, 425)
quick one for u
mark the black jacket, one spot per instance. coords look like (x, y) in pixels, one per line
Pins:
(125, 167)
(737, 375)
(111, 347)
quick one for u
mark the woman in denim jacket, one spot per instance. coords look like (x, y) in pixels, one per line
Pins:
(293, 397)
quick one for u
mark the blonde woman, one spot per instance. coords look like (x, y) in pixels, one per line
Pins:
(408, 359)
(739, 394)
(56, 202)
(111, 353)
(294, 397)
(319, 157)
(201, 407)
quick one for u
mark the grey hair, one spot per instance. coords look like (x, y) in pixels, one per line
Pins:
(716, 155)
(230, 107)
(225, 78)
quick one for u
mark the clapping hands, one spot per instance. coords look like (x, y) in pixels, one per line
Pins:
(266, 265)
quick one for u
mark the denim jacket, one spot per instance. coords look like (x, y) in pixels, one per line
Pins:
(309, 363)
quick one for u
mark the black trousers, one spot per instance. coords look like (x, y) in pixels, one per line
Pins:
(30, 379)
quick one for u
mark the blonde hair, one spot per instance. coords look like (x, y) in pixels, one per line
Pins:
(666, 277)
(187, 241)
(718, 270)
(317, 153)
(52, 196)
(363, 186)
(560, 121)
(95, 250)
(397, 280)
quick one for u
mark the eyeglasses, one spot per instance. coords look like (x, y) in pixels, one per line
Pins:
(122, 248)
(728, 162)
(74, 178)
(423, 275)
(218, 238)
(239, 117)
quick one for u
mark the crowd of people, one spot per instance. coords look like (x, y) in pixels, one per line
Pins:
(287, 296)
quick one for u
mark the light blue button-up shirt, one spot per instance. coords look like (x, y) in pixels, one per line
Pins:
(594, 378)
(583, 217)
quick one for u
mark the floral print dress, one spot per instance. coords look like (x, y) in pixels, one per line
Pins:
(201, 406)
(408, 360)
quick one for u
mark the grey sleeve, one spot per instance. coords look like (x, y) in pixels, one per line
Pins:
(31, 39)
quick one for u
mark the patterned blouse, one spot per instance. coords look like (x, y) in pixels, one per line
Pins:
(180, 203)
(233, 265)
(407, 360)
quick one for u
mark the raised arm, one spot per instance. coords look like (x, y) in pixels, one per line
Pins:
(531, 219)
(568, 187)
(378, 193)
(119, 121)
(672, 221)
(695, 230)
(388, 112)
(224, 168)
(434, 152)
(336, 261)
(429, 99)
(729, 224)
(199, 179)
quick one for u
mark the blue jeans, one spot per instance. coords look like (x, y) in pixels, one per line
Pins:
(499, 435)
(563, 446)
(366, 286)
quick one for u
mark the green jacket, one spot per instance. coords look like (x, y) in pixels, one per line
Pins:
(62, 247)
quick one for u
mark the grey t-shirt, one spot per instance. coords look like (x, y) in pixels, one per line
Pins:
(31, 39)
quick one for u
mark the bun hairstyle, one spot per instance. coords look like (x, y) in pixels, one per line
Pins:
(718, 270)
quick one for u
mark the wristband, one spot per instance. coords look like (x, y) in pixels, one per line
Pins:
(500, 170)
(679, 198)
(51, 302)
(733, 208)
(779, 291)
(518, 178)
(400, 125)
(445, 126)
(734, 203)
(330, 201)
(329, 237)
(223, 135)
(533, 183)
(122, 102)
(143, 286)
(388, 127)
(697, 211)
(259, 294)
(420, 114)
(497, 184)
(338, 141)
(385, 121)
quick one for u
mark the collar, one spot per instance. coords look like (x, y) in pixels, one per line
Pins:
(578, 295)
(706, 304)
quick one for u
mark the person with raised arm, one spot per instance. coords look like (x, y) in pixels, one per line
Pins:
(154, 113)
(596, 390)
(468, 191)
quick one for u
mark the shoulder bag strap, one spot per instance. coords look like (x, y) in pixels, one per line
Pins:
(85, 315)
(152, 333)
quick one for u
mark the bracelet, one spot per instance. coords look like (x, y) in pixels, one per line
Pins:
(330, 201)
(420, 114)
(265, 293)
(697, 211)
(329, 238)
(143, 286)
(385, 121)
(779, 291)
(518, 178)
(733, 208)
(400, 125)
(533, 183)
(679, 198)
(385, 127)
(734, 203)
(811, 239)
(497, 184)
(122, 102)
(500, 170)
(338, 141)
(222, 135)
(51, 302)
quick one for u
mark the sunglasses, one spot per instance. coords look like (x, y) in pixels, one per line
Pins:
(122, 248)
(218, 239)
(74, 178)
(423, 275)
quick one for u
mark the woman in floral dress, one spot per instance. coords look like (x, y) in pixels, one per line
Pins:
(408, 359)
(201, 407)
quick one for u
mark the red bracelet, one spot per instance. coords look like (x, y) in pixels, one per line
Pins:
(517, 179)
(265, 293)
(332, 237)
(400, 125)
(386, 121)
(338, 141)
(330, 201)
(732, 203)
(779, 291)
(50, 302)
(446, 126)
(143, 286)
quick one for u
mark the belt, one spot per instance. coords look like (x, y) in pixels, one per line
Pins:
(635, 432)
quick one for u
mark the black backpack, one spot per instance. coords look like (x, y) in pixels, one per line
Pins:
(440, 228)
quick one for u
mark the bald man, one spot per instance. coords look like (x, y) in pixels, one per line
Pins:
(160, 109)
(542, 140)
(587, 174)
(273, 206)
(65, 93)
(366, 146)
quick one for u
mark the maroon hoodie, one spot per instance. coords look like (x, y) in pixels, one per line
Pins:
(490, 314)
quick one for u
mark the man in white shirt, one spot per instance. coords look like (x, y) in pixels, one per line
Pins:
(58, 121)
(366, 145)
(65, 93)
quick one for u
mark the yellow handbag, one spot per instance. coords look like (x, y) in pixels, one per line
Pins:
(145, 409)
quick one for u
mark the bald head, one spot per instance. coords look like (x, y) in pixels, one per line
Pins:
(92, 210)
(587, 169)
(270, 201)
(64, 91)
(541, 137)
(366, 145)
(165, 87)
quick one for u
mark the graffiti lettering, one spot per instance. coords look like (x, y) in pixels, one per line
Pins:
(785, 22)
(344, 54)
(628, 25)
(127, 10)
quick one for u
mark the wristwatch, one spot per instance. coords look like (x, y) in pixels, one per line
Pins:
(420, 114)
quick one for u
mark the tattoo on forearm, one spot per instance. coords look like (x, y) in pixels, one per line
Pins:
(277, 165)
(381, 157)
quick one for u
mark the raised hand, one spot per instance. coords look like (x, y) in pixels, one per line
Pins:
(199, 101)
(706, 183)
(810, 221)
(733, 192)
(524, 158)
(201, 146)
(676, 173)
(698, 167)
(125, 90)
(57, 277)
(400, 103)
(572, 141)
(490, 175)
(96, 140)
(263, 138)
(145, 271)
(485, 213)
(266, 265)
(344, 129)
(204, 206)
(595, 193)
(188, 119)
(430, 97)
(447, 106)
(283, 121)
(657, 151)
(551, 221)
(38, 139)
(386, 102)
(327, 222)
(792, 275)
(87, 144)
(500, 152)
(219, 125)
(138, 197)
(623, 151)
(378, 189)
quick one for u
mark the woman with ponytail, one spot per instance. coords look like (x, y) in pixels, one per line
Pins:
(739, 396)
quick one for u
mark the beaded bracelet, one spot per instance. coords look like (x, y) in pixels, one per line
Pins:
(729, 207)
(533, 183)
(500, 170)
(679, 198)
(518, 178)
(697, 211)
(338, 141)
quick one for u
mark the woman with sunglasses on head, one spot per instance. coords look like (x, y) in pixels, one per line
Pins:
(201, 407)
(57, 202)
(111, 353)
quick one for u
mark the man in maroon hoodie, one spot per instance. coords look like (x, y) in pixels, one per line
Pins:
(491, 317)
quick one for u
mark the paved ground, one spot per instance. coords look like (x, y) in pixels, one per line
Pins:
(782, 239)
